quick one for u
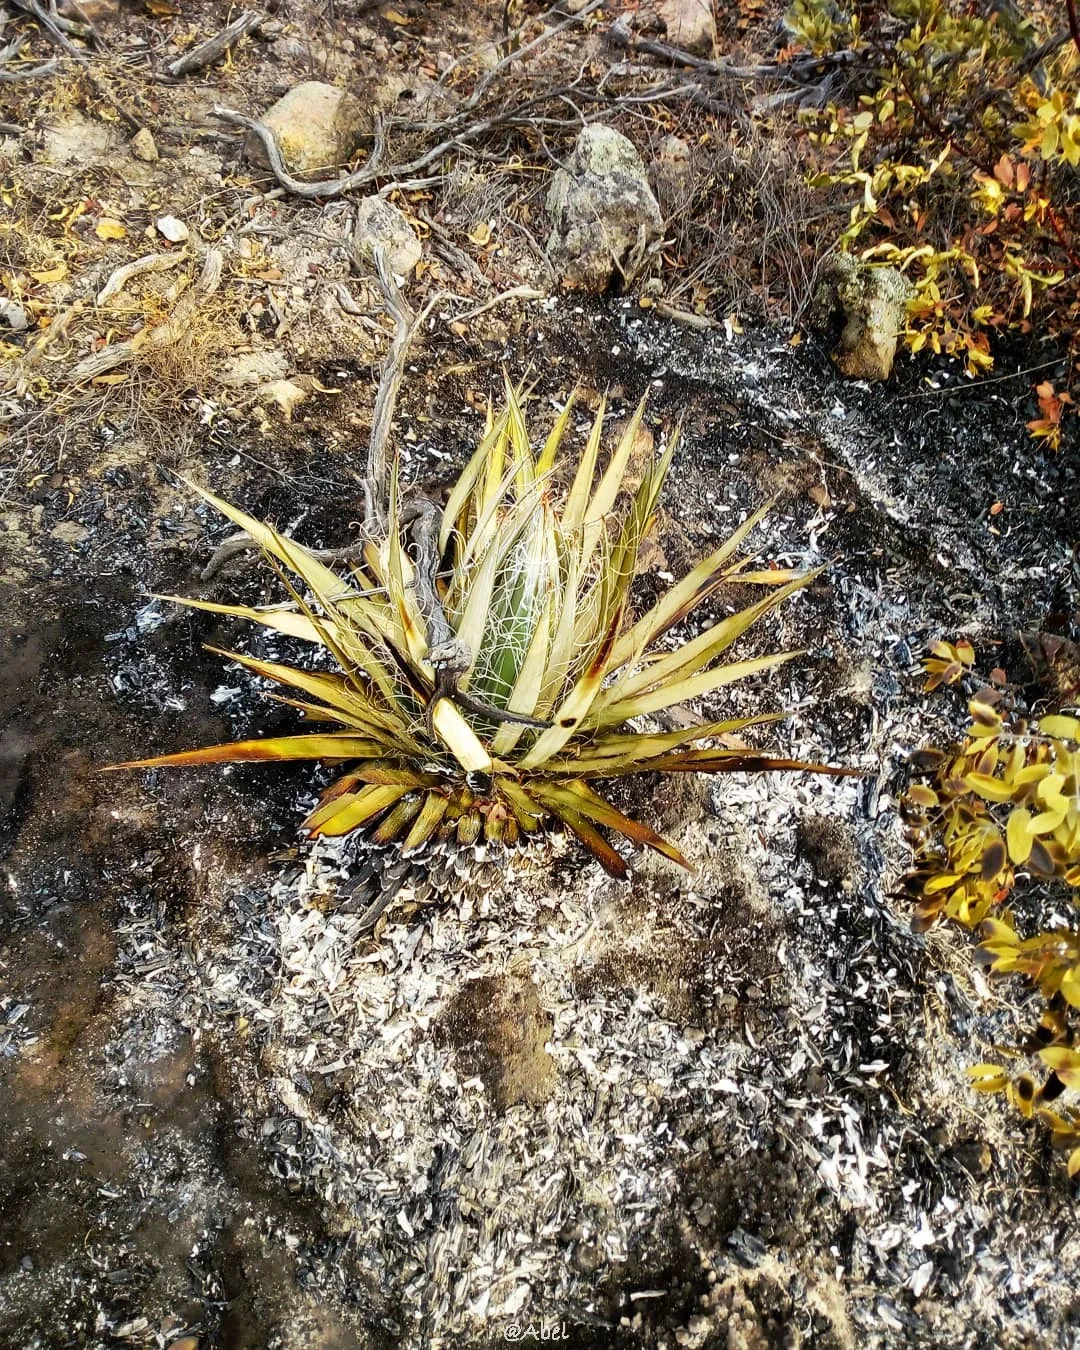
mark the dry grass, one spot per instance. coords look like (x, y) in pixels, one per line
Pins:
(740, 217)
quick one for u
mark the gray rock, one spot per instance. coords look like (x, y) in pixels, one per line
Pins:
(317, 127)
(13, 316)
(144, 147)
(603, 214)
(690, 25)
(867, 306)
(377, 222)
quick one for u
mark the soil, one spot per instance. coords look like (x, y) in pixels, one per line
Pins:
(728, 1108)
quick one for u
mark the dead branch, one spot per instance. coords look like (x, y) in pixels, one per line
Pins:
(393, 372)
(153, 262)
(50, 27)
(457, 130)
(34, 73)
(514, 293)
(206, 53)
(803, 70)
(519, 53)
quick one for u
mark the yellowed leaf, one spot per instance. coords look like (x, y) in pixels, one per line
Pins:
(480, 234)
(110, 229)
(57, 273)
(396, 16)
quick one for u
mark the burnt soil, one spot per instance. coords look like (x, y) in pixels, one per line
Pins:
(159, 1183)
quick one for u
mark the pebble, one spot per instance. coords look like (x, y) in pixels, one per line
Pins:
(144, 147)
(175, 231)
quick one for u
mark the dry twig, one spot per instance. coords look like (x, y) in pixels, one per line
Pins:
(153, 262)
(206, 53)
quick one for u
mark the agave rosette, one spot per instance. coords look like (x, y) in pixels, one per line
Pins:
(534, 578)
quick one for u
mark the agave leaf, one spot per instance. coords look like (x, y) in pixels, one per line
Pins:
(668, 696)
(773, 576)
(456, 511)
(315, 712)
(338, 694)
(575, 706)
(580, 797)
(521, 458)
(562, 643)
(611, 861)
(573, 515)
(412, 630)
(693, 656)
(722, 760)
(459, 738)
(685, 595)
(521, 599)
(360, 666)
(350, 811)
(316, 745)
(546, 461)
(279, 619)
(526, 691)
(491, 485)
(607, 490)
(632, 752)
(526, 808)
(397, 819)
(478, 608)
(315, 574)
(428, 820)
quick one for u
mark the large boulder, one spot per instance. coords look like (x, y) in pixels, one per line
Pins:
(604, 217)
(862, 308)
(317, 126)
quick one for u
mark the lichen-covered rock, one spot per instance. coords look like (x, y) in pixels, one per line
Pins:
(377, 222)
(317, 128)
(866, 306)
(603, 214)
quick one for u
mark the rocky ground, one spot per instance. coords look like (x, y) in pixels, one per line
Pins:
(728, 1108)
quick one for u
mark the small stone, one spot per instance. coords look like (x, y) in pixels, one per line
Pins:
(690, 25)
(285, 394)
(377, 222)
(13, 316)
(69, 532)
(317, 127)
(144, 147)
(175, 231)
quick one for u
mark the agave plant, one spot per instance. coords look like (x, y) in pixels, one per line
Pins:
(489, 667)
